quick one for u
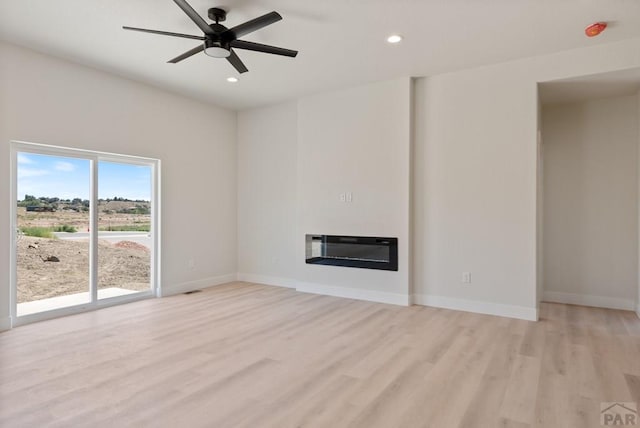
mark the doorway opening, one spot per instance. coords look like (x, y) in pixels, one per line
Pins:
(588, 226)
(85, 230)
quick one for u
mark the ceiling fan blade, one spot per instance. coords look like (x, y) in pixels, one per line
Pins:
(200, 22)
(187, 54)
(237, 62)
(164, 33)
(251, 26)
(259, 47)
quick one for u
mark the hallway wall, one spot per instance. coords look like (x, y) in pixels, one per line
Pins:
(591, 202)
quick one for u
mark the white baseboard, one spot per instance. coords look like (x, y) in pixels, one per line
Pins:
(480, 307)
(589, 300)
(354, 293)
(267, 280)
(5, 323)
(196, 285)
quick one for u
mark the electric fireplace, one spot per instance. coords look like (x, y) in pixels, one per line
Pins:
(366, 252)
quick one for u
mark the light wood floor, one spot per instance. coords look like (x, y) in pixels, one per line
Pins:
(246, 355)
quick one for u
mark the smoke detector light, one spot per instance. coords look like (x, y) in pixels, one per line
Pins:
(232, 79)
(595, 29)
(394, 38)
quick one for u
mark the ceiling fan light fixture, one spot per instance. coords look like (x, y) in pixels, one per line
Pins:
(216, 49)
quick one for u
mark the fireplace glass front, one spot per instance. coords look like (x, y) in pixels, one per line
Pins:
(366, 252)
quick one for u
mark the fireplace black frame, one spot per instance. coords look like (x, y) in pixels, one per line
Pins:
(326, 258)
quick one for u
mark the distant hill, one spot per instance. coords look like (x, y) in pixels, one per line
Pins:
(124, 206)
(116, 205)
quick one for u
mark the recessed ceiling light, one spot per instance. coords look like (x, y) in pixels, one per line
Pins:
(232, 79)
(394, 38)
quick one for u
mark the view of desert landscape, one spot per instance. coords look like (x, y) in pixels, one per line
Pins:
(53, 246)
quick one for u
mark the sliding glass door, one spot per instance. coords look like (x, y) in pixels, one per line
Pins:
(52, 272)
(85, 230)
(124, 228)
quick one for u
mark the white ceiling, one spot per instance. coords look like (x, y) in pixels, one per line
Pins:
(341, 42)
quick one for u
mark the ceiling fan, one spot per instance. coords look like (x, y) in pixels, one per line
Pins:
(220, 41)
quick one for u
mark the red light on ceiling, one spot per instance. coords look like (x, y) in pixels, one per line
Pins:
(595, 29)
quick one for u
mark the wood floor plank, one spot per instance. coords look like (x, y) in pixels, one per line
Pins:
(581, 372)
(633, 382)
(249, 355)
(521, 390)
(482, 409)
(534, 339)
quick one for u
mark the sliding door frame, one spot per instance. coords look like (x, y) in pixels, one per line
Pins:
(94, 158)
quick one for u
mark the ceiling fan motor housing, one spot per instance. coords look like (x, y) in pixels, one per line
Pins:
(217, 14)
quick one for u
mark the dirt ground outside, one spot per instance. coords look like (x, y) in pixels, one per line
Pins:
(123, 265)
(57, 267)
(80, 220)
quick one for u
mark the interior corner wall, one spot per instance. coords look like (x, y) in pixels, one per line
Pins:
(51, 101)
(540, 204)
(591, 202)
(476, 182)
(267, 201)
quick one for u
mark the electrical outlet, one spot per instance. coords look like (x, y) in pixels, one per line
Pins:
(343, 197)
(191, 263)
(466, 277)
(349, 197)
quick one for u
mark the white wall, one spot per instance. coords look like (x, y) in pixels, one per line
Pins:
(50, 101)
(540, 206)
(267, 203)
(591, 202)
(295, 159)
(475, 191)
(356, 140)
(475, 188)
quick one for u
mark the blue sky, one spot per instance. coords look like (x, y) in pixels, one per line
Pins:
(68, 178)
